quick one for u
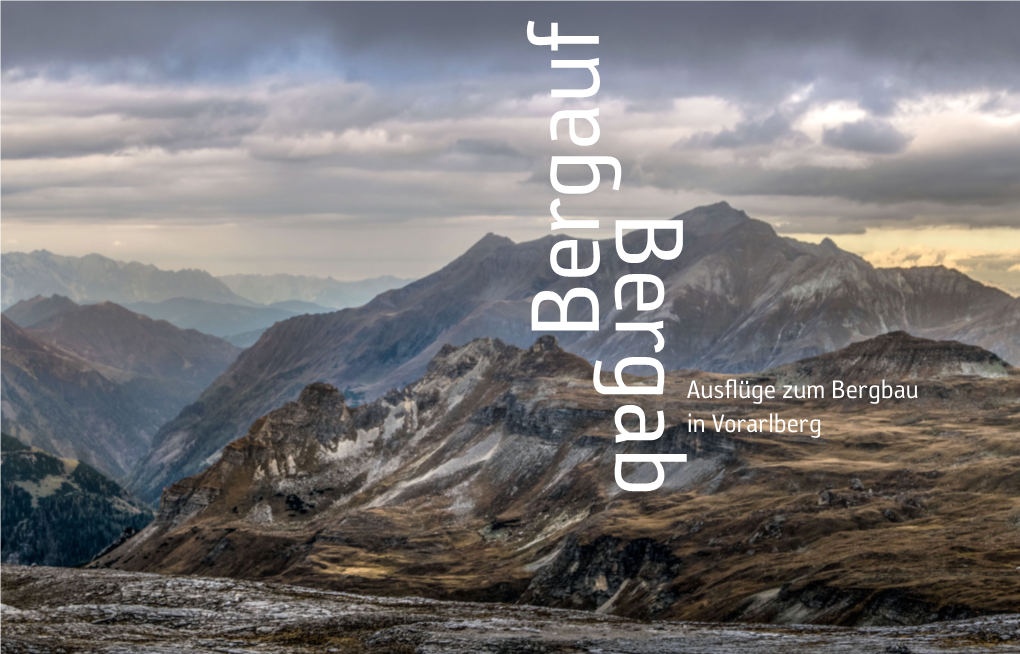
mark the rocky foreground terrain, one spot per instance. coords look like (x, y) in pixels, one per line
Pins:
(492, 479)
(104, 611)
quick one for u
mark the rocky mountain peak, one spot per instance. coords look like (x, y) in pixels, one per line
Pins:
(318, 442)
(547, 343)
(318, 394)
(27, 313)
(739, 299)
(829, 244)
(544, 358)
(713, 217)
(899, 356)
(487, 244)
(490, 478)
(319, 414)
(455, 361)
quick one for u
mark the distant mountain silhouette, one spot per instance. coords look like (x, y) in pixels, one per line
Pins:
(739, 298)
(95, 382)
(111, 335)
(273, 289)
(95, 278)
(189, 299)
(27, 313)
(216, 318)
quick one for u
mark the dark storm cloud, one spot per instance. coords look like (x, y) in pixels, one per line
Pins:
(988, 177)
(754, 51)
(329, 108)
(747, 133)
(867, 135)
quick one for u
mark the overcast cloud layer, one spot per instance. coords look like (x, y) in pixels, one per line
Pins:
(297, 138)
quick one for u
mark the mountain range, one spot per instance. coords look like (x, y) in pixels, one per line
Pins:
(240, 325)
(491, 479)
(238, 308)
(111, 335)
(424, 443)
(274, 289)
(60, 511)
(740, 298)
(95, 278)
(95, 382)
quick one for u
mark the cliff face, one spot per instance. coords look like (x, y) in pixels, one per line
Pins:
(491, 478)
(739, 299)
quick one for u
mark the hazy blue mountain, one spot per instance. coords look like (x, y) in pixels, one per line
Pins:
(109, 334)
(740, 298)
(216, 318)
(270, 289)
(95, 278)
(299, 307)
(70, 407)
(95, 382)
(295, 307)
(59, 511)
(246, 339)
(26, 313)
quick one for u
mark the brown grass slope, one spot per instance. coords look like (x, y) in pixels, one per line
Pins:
(491, 478)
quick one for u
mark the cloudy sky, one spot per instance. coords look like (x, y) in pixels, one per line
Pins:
(359, 140)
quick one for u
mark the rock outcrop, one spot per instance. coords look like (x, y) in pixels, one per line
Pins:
(491, 478)
(896, 355)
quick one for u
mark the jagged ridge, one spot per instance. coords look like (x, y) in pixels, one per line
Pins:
(739, 298)
(491, 478)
